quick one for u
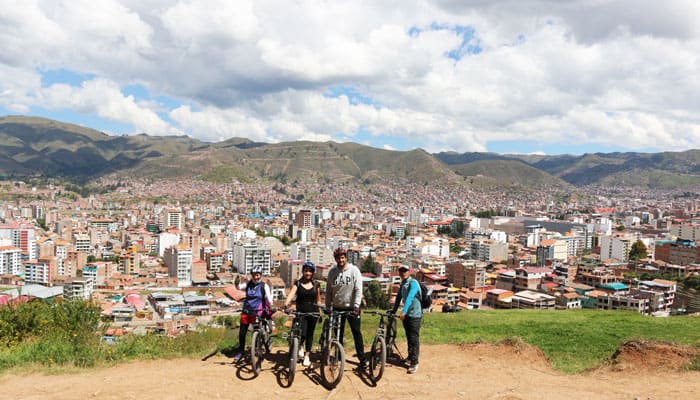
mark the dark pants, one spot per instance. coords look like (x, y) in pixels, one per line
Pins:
(354, 322)
(412, 328)
(308, 325)
(242, 331)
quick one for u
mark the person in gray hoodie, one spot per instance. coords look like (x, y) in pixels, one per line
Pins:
(344, 293)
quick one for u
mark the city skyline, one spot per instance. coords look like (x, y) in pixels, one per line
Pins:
(505, 77)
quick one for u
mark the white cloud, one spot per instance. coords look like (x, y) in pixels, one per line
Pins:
(616, 73)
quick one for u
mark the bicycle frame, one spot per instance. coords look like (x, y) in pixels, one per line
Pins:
(260, 342)
(332, 351)
(383, 345)
(293, 339)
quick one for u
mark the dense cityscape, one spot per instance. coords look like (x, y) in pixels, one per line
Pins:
(165, 256)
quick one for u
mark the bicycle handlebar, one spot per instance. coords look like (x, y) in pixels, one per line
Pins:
(383, 314)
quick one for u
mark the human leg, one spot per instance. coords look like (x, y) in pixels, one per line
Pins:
(412, 328)
(355, 328)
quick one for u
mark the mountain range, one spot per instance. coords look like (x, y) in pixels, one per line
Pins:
(31, 146)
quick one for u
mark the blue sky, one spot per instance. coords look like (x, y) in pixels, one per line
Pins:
(527, 76)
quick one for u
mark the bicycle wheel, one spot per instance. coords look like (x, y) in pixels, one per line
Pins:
(333, 364)
(377, 358)
(256, 353)
(293, 354)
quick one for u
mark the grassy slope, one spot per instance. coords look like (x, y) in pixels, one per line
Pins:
(574, 341)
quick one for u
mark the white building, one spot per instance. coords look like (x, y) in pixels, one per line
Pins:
(178, 259)
(615, 248)
(10, 260)
(245, 255)
(167, 240)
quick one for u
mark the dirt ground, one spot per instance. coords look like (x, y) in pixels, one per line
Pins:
(639, 370)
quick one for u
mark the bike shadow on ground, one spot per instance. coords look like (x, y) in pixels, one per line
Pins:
(280, 367)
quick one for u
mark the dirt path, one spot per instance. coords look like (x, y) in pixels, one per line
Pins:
(446, 372)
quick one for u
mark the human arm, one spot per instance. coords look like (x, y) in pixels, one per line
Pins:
(413, 290)
(397, 301)
(318, 295)
(268, 296)
(292, 294)
(357, 292)
(329, 288)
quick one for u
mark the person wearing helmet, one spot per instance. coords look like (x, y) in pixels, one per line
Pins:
(307, 297)
(411, 314)
(344, 293)
(257, 299)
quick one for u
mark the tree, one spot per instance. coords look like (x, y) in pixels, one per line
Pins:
(368, 265)
(638, 251)
(375, 297)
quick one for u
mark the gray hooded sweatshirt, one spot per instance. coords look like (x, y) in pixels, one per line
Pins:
(344, 288)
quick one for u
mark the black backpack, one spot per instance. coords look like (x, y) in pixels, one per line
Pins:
(426, 299)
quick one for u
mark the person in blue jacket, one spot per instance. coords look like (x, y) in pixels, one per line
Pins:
(411, 314)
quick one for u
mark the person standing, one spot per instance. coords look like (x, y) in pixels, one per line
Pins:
(344, 293)
(257, 299)
(411, 314)
(307, 297)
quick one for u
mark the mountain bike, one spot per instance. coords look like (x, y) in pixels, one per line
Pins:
(332, 351)
(383, 345)
(260, 342)
(293, 339)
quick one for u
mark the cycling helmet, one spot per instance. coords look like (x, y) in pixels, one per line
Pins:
(310, 265)
(255, 269)
(340, 251)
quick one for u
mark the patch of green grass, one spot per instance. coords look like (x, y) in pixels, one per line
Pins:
(574, 341)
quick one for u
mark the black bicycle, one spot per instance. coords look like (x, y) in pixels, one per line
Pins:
(383, 345)
(332, 351)
(293, 339)
(260, 342)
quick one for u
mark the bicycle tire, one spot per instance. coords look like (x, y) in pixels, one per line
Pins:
(377, 358)
(293, 357)
(333, 364)
(256, 355)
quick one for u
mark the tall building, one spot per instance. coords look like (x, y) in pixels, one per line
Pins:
(167, 240)
(10, 260)
(615, 248)
(130, 263)
(41, 271)
(81, 242)
(466, 274)
(178, 259)
(249, 254)
(302, 219)
(173, 219)
(23, 236)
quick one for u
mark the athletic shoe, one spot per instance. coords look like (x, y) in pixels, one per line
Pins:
(413, 369)
(306, 362)
(301, 353)
(237, 356)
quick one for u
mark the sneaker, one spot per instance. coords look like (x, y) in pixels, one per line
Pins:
(238, 356)
(301, 353)
(413, 369)
(306, 362)
(363, 365)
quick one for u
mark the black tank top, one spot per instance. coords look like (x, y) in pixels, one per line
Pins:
(306, 298)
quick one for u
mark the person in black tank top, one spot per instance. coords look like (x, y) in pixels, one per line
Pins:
(307, 298)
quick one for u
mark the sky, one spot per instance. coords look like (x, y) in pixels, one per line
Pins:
(510, 76)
